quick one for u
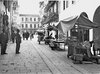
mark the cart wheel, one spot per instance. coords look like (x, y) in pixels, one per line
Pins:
(52, 48)
(97, 61)
(80, 62)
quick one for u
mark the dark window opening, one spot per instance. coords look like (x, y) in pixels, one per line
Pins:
(63, 5)
(34, 25)
(30, 25)
(26, 25)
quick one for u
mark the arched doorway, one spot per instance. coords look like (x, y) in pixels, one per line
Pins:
(96, 31)
(96, 19)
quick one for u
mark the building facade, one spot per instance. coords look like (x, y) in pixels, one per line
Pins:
(49, 14)
(7, 7)
(29, 22)
(70, 8)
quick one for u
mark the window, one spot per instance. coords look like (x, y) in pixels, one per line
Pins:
(66, 4)
(26, 25)
(30, 25)
(63, 5)
(34, 19)
(22, 19)
(55, 8)
(22, 25)
(30, 19)
(26, 19)
(73, 2)
(38, 25)
(34, 25)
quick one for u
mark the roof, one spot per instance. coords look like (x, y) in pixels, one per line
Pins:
(34, 15)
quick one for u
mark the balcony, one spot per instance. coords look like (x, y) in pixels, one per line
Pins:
(53, 17)
(7, 4)
(50, 3)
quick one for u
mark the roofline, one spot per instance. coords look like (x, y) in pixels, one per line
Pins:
(29, 15)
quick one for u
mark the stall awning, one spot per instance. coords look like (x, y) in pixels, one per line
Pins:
(85, 22)
(66, 24)
(81, 20)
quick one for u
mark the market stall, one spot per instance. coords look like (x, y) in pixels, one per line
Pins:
(79, 27)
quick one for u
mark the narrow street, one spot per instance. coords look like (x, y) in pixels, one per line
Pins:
(40, 59)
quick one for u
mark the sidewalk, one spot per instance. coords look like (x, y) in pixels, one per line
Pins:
(27, 62)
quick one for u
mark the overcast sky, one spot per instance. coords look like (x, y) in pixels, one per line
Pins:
(28, 6)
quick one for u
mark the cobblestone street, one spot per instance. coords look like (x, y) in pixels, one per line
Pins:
(49, 37)
(40, 59)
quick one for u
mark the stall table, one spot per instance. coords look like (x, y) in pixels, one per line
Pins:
(58, 42)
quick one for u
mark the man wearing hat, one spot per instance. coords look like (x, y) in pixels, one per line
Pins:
(4, 40)
(18, 41)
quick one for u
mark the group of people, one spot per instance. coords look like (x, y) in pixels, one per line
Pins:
(26, 35)
(4, 41)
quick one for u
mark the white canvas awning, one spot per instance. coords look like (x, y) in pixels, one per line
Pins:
(83, 21)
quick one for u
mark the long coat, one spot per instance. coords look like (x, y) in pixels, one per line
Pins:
(18, 38)
(3, 38)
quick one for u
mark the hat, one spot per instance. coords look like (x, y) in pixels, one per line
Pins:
(18, 30)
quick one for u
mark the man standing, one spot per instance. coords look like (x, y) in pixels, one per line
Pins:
(5, 19)
(18, 41)
(13, 36)
(4, 40)
(23, 35)
(27, 35)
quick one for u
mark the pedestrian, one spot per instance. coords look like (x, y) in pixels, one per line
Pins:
(27, 35)
(18, 41)
(5, 19)
(4, 41)
(23, 35)
(31, 36)
(13, 36)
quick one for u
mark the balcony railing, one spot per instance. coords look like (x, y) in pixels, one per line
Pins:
(53, 17)
(50, 3)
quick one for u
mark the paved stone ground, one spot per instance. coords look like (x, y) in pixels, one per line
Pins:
(27, 62)
(40, 59)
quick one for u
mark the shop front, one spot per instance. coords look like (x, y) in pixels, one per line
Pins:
(78, 27)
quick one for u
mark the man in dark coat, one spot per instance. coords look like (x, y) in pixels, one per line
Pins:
(23, 35)
(5, 19)
(13, 36)
(27, 35)
(4, 40)
(18, 41)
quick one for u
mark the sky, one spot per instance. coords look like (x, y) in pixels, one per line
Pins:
(28, 6)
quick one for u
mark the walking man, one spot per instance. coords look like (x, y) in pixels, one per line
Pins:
(4, 40)
(18, 41)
